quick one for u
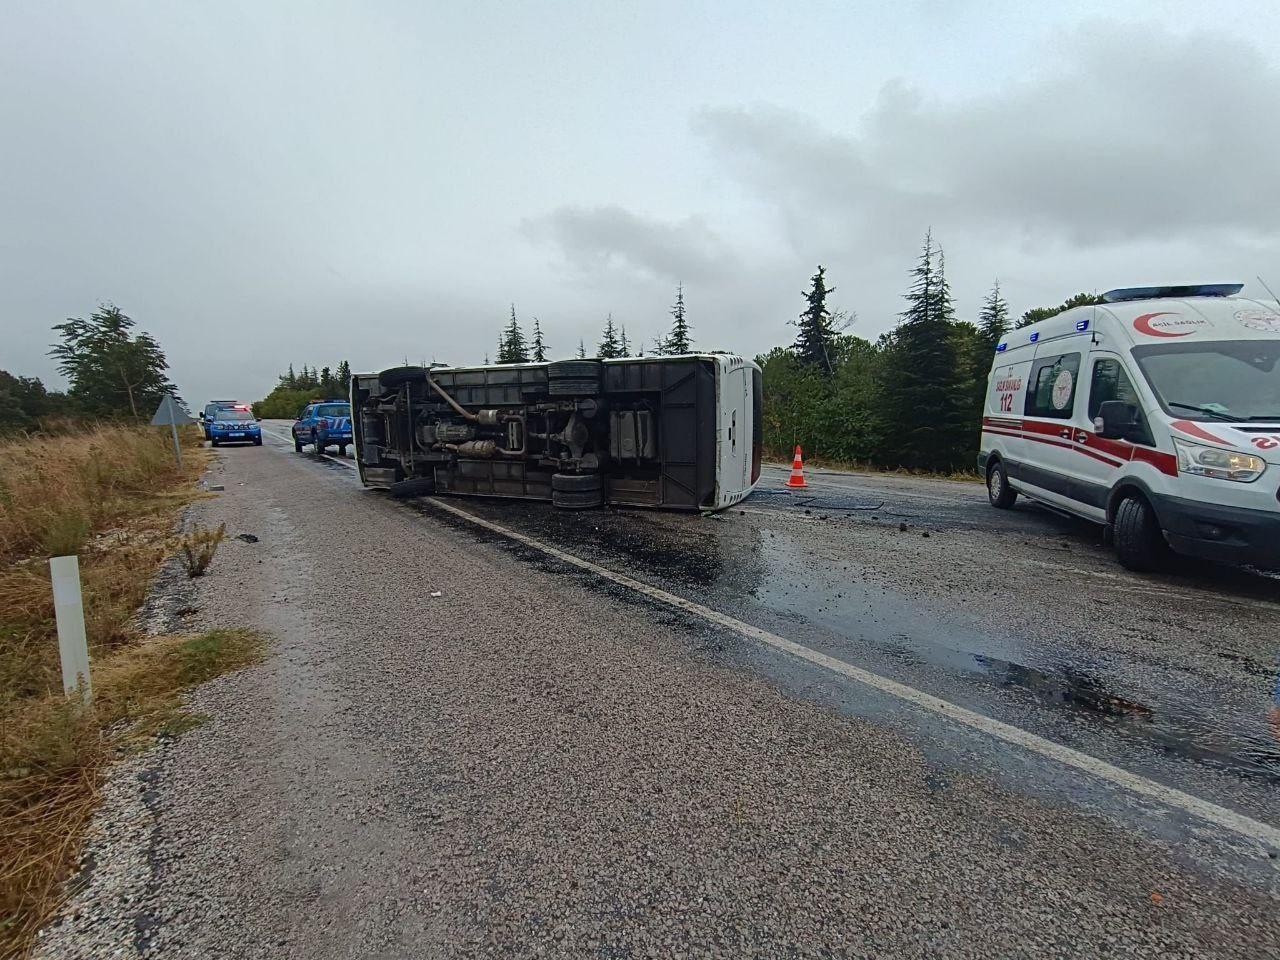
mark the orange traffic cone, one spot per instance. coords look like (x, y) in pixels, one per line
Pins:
(796, 480)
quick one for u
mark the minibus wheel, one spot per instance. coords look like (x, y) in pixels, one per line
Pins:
(1001, 495)
(1139, 543)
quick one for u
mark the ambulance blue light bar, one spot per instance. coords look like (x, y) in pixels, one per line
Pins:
(1082, 325)
(1035, 336)
(1157, 293)
(1002, 348)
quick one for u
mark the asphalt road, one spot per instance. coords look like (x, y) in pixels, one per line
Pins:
(876, 718)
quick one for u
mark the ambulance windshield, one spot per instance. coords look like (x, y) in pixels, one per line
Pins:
(1235, 380)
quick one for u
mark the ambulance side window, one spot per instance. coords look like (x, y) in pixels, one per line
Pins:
(1051, 389)
(1110, 382)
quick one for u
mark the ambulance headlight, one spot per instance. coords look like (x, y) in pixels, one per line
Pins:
(1202, 461)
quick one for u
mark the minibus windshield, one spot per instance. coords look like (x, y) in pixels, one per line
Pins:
(1233, 380)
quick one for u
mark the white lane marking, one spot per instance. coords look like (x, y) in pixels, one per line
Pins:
(1246, 827)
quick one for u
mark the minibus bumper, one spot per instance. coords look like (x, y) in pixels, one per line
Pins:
(1218, 532)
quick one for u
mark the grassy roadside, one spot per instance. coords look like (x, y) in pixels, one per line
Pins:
(110, 494)
(782, 458)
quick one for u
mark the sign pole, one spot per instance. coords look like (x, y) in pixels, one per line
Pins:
(171, 414)
(177, 448)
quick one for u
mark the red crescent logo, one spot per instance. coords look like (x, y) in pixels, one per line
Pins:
(1143, 325)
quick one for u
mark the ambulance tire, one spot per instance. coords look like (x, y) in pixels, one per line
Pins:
(1139, 542)
(1001, 495)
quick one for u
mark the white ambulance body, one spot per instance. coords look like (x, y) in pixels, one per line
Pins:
(1156, 412)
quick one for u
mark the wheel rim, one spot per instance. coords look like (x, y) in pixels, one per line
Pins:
(995, 483)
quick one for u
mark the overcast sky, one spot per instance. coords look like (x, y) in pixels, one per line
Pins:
(270, 182)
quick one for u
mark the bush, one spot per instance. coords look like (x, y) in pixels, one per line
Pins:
(198, 547)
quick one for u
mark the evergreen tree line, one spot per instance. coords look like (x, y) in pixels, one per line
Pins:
(515, 347)
(911, 399)
(294, 390)
(113, 373)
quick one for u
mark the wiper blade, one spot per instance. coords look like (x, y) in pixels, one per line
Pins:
(1207, 411)
(1270, 417)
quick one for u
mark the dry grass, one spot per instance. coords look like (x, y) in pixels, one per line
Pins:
(110, 494)
(53, 751)
(782, 458)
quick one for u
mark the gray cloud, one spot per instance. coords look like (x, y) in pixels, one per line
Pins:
(612, 237)
(1130, 134)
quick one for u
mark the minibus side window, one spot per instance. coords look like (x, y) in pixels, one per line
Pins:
(1051, 388)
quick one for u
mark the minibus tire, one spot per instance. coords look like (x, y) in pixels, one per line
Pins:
(577, 491)
(1139, 543)
(412, 487)
(1001, 495)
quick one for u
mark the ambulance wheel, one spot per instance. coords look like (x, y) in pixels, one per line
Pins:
(1139, 542)
(577, 491)
(342, 449)
(297, 444)
(1001, 495)
(257, 441)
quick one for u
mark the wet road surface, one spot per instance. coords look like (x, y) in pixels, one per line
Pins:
(1021, 615)
(490, 729)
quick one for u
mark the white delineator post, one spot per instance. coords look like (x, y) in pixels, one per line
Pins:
(73, 644)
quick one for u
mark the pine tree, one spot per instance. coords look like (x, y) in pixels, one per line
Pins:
(539, 348)
(512, 347)
(290, 379)
(814, 346)
(609, 346)
(624, 345)
(326, 382)
(678, 341)
(343, 378)
(993, 319)
(582, 349)
(927, 388)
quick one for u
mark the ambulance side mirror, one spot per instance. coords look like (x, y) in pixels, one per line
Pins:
(1117, 420)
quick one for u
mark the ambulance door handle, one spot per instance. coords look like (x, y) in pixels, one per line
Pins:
(1082, 437)
(1065, 433)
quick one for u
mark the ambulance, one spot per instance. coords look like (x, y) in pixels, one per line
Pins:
(1155, 413)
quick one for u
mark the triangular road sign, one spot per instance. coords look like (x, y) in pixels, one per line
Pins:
(170, 412)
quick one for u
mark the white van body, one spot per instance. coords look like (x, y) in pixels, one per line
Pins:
(1190, 458)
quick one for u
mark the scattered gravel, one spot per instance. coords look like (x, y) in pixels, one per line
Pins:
(529, 765)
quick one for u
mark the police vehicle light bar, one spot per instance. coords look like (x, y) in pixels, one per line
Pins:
(1156, 293)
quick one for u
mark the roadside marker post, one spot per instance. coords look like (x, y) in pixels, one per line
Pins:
(171, 414)
(68, 608)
